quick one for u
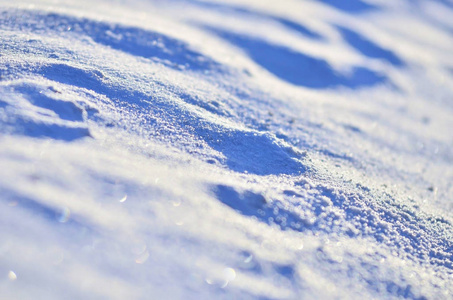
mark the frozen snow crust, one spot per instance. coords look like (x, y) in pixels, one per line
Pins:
(226, 149)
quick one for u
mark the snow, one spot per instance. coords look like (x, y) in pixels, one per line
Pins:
(226, 149)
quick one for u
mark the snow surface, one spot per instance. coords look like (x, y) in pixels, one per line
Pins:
(233, 149)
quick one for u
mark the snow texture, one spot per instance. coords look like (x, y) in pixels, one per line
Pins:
(240, 149)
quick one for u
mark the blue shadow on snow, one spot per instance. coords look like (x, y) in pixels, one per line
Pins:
(147, 44)
(253, 204)
(64, 111)
(351, 6)
(135, 41)
(253, 152)
(245, 151)
(299, 28)
(299, 68)
(368, 48)
(227, 8)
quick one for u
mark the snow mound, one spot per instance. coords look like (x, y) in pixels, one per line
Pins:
(226, 149)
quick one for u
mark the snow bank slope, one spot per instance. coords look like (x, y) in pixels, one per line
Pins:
(226, 149)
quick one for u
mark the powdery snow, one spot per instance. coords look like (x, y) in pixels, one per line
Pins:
(233, 149)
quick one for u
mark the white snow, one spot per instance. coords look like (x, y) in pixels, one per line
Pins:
(189, 149)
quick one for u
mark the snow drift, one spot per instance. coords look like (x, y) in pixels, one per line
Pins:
(226, 149)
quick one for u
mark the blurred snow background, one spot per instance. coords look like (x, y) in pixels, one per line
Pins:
(222, 149)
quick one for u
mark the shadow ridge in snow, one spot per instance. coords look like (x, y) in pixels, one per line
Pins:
(285, 22)
(33, 111)
(298, 68)
(135, 41)
(351, 6)
(321, 209)
(245, 150)
(367, 47)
